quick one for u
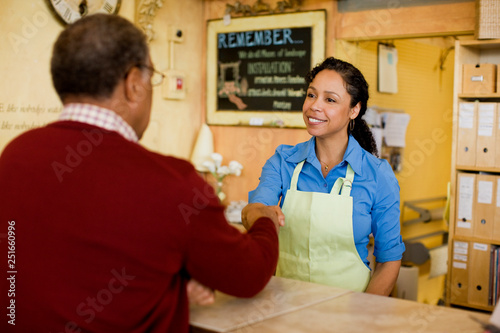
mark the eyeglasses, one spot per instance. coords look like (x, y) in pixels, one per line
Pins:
(156, 77)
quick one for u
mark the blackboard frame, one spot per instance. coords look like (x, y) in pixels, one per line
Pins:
(278, 25)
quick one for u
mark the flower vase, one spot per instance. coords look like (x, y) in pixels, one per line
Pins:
(221, 195)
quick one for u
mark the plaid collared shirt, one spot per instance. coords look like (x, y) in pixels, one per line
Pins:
(98, 116)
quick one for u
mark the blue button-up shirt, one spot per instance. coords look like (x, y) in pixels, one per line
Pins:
(375, 192)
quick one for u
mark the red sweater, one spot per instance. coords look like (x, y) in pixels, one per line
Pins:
(107, 233)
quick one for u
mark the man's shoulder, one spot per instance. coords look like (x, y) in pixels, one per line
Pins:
(30, 135)
(174, 170)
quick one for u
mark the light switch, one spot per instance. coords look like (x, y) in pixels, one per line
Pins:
(174, 85)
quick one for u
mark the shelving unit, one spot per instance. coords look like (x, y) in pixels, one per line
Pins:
(467, 268)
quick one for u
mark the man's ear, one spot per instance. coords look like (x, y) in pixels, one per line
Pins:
(355, 110)
(134, 85)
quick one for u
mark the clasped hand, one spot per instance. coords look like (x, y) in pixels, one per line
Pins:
(254, 211)
(199, 294)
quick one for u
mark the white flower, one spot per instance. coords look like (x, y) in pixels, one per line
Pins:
(223, 171)
(235, 168)
(209, 165)
(220, 171)
(217, 159)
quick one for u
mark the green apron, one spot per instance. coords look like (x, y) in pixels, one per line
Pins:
(317, 241)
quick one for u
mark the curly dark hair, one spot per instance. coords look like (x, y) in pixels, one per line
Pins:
(357, 88)
(92, 55)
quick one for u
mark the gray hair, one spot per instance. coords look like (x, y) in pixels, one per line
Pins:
(92, 55)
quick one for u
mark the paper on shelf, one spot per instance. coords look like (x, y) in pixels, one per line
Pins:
(466, 115)
(498, 192)
(465, 197)
(486, 119)
(485, 192)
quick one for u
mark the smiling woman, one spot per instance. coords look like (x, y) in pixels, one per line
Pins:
(334, 191)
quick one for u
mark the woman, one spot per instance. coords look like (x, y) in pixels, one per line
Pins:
(333, 191)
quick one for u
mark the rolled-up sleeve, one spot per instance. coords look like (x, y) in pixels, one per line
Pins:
(386, 226)
(270, 187)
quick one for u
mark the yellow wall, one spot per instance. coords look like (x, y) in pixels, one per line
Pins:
(26, 95)
(174, 123)
(425, 93)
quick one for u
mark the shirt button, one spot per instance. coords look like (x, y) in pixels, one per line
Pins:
(325, 185)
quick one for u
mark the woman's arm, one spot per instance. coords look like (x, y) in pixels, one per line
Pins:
(384, 278)
(389, 246)
(269, 189)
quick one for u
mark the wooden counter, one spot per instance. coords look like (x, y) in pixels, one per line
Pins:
(294, 306)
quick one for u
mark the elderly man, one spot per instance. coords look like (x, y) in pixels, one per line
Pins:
(104, 235)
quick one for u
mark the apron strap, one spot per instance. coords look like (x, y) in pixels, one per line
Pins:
(295, 176)
(344, 183)
(349, 179)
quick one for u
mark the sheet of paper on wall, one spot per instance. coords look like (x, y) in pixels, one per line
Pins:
(395, 125)
(374, 121)
(439, 261)
(387, 69)
(372, 117)
(378, 134)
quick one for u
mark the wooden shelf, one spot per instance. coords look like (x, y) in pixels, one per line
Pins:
(469, 264)
(476, 240)
(483, 96)
(473, 306)
(477, 169)
(481, 43)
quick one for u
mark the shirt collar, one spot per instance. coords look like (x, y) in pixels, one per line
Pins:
(353, 154)
(100, 117)
(303, 151)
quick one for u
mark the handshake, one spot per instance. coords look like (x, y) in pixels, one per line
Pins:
(254, 211)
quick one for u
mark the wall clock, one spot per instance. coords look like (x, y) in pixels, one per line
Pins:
(71, 10)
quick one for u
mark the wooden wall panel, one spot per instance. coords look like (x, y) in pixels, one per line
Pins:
(251, 147)
(439, 20)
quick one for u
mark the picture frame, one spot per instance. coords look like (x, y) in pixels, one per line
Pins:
(387, 75)
(256, 67)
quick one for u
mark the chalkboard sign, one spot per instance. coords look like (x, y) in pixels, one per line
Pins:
(255, 76)
(263, 69)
